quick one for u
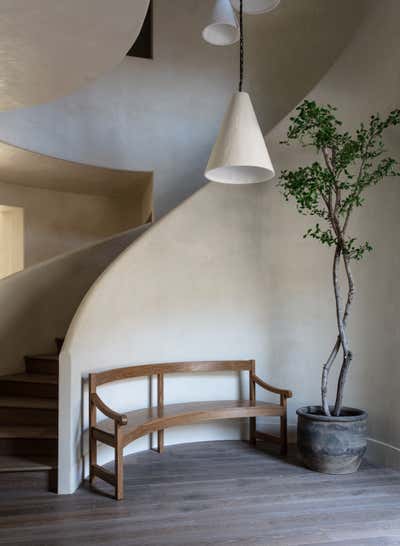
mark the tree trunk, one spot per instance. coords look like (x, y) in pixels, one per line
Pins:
(325, 376)
(347, 354)
(332, 357)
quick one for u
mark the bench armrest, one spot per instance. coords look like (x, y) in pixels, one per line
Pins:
(283, 392)
(119, 418)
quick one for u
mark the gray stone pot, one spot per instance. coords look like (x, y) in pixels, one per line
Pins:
(333, 445)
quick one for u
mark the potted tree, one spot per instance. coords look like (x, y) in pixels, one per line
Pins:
(332, 438)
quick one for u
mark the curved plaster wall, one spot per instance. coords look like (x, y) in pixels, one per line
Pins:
(50, 48)
(38, 303)
(227, 275)
(77, 219)
(163, 115)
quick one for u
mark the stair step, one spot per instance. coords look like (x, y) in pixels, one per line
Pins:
(27, 463)
(26, 431)
(30, 403)
(18, 410)
(29, 385)
(22, 446)
(42, 364)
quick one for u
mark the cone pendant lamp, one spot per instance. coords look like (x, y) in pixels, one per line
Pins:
(255, 7)
(240, 155)
(223, 28)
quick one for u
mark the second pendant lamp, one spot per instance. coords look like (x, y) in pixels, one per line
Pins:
(240, 155)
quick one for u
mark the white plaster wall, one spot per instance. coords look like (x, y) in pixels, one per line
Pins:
(227, 274)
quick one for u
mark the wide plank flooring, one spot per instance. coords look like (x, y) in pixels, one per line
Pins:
(214, 493)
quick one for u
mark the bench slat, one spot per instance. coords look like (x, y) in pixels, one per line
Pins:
(118, 374)
(103, 474)
(145, 421)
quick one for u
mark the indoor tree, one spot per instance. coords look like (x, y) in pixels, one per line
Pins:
(331, 188)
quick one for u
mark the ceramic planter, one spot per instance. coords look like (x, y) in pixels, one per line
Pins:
(333, 445)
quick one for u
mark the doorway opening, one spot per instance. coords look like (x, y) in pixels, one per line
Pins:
(11, 240)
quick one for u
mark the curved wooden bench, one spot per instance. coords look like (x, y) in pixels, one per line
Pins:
(121, 429)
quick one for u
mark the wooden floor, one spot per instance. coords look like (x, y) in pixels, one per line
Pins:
(217, 493)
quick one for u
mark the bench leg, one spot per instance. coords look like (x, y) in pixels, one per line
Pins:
(160, 441)
(284, 441)
(92, 457)
(252, 434)
(119, 473)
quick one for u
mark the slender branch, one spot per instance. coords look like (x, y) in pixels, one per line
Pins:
(360, 173)
(328, 161)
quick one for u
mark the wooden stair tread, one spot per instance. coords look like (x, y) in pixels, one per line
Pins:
(54, 357)
(26, 402)
(27, 463)
(29, 431)
(31, 378)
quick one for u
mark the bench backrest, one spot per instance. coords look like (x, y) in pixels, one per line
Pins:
(146, 370)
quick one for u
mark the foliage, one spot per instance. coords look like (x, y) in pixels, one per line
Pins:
(351, 164)
(333, 186)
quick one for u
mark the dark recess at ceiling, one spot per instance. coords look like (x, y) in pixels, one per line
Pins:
(143, 47)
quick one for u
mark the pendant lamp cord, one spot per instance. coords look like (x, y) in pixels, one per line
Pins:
(241, 47)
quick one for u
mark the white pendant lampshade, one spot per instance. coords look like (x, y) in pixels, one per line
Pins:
(240, 155)
(223, 28)
(255, 7)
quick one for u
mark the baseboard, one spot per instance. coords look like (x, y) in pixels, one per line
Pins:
(383, 454)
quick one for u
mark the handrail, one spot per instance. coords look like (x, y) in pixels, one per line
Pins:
(270, 388)
(119, 418)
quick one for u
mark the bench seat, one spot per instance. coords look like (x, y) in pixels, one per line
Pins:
(146, 421)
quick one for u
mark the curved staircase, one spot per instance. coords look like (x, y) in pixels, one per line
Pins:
(29, 417)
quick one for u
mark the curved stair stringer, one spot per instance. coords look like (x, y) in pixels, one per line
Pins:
(52, 50)
(39, 302)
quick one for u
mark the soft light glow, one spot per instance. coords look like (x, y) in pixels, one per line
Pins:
(223, 28)
(240, 155)
(255, 7)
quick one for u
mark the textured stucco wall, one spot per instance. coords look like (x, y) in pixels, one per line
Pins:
(228, 274)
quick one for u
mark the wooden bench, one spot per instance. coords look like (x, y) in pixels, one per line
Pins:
(121, 429)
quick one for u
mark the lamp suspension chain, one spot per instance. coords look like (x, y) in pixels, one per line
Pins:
(241, 68)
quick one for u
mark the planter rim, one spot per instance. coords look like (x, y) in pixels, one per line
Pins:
(357, 414)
